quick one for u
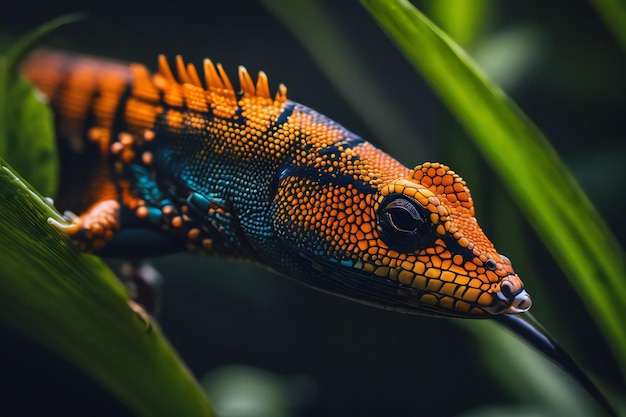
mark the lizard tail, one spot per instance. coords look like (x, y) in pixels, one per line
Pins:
(79, 89)
(84, 92)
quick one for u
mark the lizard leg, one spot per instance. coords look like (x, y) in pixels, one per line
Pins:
(88, 187)
(115, 197)
(196, 221)
(144, 284)
(132, 212)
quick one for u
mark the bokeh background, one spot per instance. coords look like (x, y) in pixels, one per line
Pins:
(259, 340)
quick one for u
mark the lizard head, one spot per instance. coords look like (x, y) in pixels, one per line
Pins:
(430, 242)
(410, 244)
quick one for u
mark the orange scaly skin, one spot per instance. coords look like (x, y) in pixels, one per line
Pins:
(160, 163)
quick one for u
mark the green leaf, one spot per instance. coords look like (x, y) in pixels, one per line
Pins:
(73, 304)
(540, 183)
(26, 133)
(461, 19)
(26, 127)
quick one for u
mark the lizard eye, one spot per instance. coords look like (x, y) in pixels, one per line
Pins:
(403, 222)
(403, 216)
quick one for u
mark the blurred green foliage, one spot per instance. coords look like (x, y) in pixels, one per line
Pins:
(244, 391)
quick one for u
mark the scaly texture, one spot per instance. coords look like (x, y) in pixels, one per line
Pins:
(161, 163)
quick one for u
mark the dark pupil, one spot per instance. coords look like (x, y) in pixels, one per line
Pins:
(403, 223)
(404, 219)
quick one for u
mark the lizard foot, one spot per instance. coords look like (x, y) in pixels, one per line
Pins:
(93, 229)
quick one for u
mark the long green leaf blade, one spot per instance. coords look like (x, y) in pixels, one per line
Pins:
(549, 196)
(73, 304)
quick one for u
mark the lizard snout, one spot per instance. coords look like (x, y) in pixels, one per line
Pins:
(512, 291)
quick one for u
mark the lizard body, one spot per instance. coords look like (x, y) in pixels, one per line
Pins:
(162, 163)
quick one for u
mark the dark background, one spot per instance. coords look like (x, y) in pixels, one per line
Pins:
(354, 360)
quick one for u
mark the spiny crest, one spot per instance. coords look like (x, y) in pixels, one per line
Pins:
(445, 183)
(216, 79)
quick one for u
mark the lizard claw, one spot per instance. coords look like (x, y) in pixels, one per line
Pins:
(141, 314)
(71, 226)
(93, 229)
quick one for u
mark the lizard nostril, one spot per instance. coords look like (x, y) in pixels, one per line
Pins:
(506, 287)
(490, 264)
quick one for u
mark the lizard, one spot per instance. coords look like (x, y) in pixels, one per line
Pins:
(172, 161)
(166, 162)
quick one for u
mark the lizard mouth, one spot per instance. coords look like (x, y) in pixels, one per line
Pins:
(514, 294)
(520, 303)
(512, 298)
